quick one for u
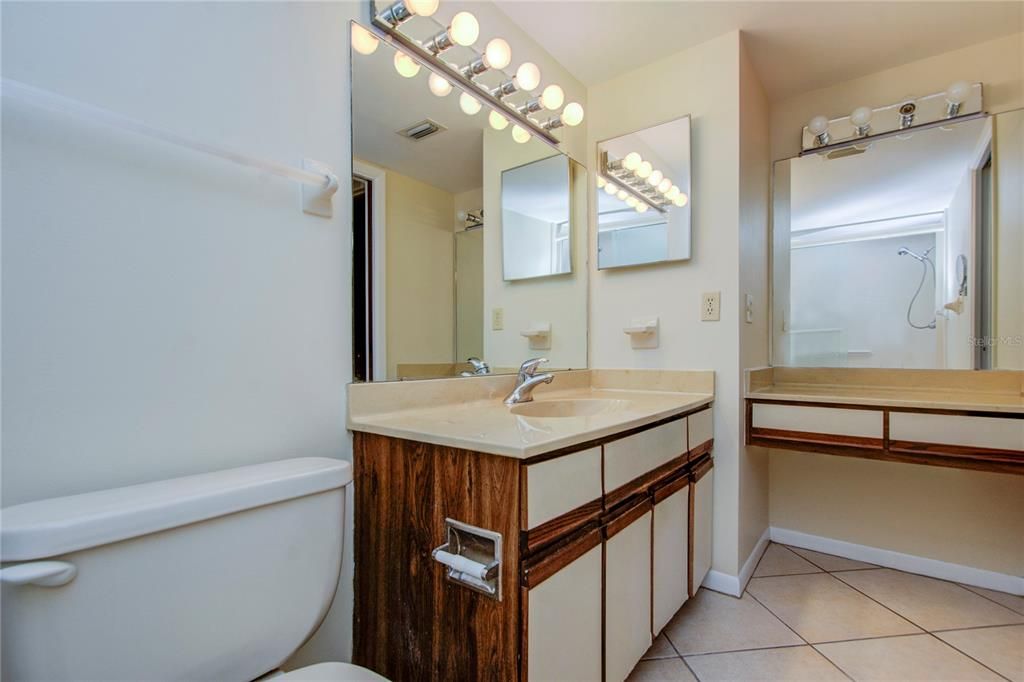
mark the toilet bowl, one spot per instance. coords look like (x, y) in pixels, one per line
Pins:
(215, 576)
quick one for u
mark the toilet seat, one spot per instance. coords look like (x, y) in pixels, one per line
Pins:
(331, 672)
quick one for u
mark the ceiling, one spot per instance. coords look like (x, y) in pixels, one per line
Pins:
(795, 46)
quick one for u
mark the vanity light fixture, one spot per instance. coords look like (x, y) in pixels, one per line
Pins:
(956, 94)
(655, 178)
(497, 54)
(571, 116)
(907, 111)
(611, 189)
(552, 97)
(403, 10)
(464, 30)
(527, 76)
(860, 119)
(819, 128)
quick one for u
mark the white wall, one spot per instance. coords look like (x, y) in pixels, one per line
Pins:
(166, 313)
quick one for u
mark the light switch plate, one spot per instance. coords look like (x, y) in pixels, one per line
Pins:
(749, 302)
(497, 319)
(709, 306)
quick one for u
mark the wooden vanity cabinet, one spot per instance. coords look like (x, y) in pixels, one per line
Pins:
(601, 545)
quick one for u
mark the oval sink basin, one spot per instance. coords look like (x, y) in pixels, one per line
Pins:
(583, 407)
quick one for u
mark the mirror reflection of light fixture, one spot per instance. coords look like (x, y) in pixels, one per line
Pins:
(520, 135)
(907, 110)
(469, 105)
(819, 128)
(405, 65)
(363, 42)
(956, 94)
(438, 85)
(497, 121)
(860, 119)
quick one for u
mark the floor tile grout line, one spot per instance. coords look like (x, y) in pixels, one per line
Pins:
(990, 598)
(784, 623)
(869, 567)
(743, 651)
(837, 666)
(681, 657)
(964, 653)
(982, 627)
(786, 575)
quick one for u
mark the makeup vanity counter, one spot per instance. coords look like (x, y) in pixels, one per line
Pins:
(955, 418)
(586, 531)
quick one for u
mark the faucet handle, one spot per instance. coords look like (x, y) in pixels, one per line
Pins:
(529, 368)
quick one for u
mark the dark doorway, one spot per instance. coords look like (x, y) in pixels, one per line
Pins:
(362, 280)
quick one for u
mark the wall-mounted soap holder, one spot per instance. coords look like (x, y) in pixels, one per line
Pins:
(643, 333)
(539, 335)
(472, 557)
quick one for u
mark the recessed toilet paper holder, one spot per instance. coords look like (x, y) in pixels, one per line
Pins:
(472, 557)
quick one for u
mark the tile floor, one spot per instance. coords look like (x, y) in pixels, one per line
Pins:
(812, 616)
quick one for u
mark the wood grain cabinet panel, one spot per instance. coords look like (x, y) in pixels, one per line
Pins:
(980, 432)
(830, 420)
(627, 613)
(630, 458)
(670, 555)
(559, 485)
(563, 629)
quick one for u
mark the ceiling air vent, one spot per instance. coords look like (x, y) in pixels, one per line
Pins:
(424, 128)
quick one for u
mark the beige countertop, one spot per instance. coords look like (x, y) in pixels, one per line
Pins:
(469, 413)
(989, 391)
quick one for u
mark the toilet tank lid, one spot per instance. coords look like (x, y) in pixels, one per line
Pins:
(36, 530)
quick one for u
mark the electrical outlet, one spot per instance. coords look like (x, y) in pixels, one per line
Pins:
(497, 319)
(709, 306)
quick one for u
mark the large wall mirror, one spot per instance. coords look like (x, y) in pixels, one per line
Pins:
(904, 252)
(643, 212)
(469, 240)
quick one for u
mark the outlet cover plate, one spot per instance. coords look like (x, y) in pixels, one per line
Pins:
(710, 310)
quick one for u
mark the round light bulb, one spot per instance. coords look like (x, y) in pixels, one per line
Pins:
(405, 66)
(644, 170)
(672, 193)
(632, 161)
(631, 201)
(654, 178)
(572, 115)
(363, 41)
(527, 76)
(497, 54)
(469, 105)
(817, 125)
(438, 85)
(601, 182)
(622, 194)
(552, 97)
(520, 135)
(681, 200)
(422, 8)
(957, 93)
(641, 207)
(464, 30)
(664, 185)
(610, 189)
(497, 121)
(861, 116)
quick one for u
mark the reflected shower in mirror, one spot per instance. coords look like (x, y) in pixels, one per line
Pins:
(429, 162)
(903, 251)
(644, 203)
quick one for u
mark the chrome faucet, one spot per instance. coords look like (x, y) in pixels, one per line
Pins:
(479, 368)
(526, 380)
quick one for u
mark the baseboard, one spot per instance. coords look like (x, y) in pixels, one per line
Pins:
(735, 584)
(944, 570)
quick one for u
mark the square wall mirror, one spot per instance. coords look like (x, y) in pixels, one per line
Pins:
(643, 201)
(536, 237)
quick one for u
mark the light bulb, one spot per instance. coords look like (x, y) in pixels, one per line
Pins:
(422, 8)
(654, 178)
(464, 30)
(601, 182)
(817, 125)
(631, 201)
(641, 207)
(861, 116)
(644, 170)
(527, 76)
(681, 200)
(363, 41)
(632, 161)
(497, 54)
(572, 115)
(610, 189)
(552, 97)
(957, 93)
(664, 185)
(520, 135)
(622, 194)
(469, 105)
(497, 121)
(405, 66)
(438, 85)
(672, 193)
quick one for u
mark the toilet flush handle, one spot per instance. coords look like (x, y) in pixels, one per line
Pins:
(42, 573)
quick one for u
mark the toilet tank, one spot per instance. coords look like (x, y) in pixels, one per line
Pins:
(217, 576)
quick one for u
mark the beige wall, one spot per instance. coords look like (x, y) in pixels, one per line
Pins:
(964, 517)
(420, 287)
(1008, 159)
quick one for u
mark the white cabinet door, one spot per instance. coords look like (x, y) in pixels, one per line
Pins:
(671, 563)
(627, 597)
(702, 527)
(564, 623)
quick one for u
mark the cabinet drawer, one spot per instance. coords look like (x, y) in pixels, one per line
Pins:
(981, 432)
(560, 485)
(700, 428)
(634, 456)
(831, 420)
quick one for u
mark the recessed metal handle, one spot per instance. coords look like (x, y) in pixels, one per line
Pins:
(42, 573)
